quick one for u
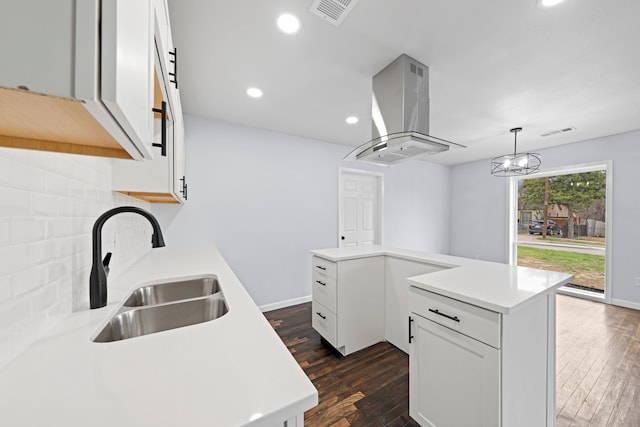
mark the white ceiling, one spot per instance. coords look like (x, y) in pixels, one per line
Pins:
(494, 65)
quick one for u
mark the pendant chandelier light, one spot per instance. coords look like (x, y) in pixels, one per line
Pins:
(517, 163)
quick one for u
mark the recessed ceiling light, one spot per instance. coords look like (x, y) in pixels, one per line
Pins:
(352, 120)
(288, 23)
(548, 3)
(254, 92)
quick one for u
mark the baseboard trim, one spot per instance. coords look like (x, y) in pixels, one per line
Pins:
(625, 303)
(283, 304)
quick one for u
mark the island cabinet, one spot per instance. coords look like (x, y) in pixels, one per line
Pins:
(77, 77)
(348, 302)
(397, 296)
(471, 366)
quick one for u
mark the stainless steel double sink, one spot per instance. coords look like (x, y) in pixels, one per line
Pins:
(163, 306)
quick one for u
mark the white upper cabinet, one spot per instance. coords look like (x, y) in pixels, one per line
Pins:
(77, 76)
(127, 65)
(162, 179)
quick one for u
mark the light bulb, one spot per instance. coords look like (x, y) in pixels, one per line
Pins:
(288, 23)
(548, 3)
(254, 92)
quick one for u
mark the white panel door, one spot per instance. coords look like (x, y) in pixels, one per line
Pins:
(359, 209)
(127, 66)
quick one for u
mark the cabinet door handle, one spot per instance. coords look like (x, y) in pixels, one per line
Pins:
(163, 145)
(321, 267)
(174, 61)
(321, 315)
(410, 335)
(184, 187)
(322, 283)
(454, 318)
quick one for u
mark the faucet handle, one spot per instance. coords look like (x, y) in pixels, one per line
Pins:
(106, 261)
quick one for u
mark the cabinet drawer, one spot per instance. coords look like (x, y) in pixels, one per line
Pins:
(324, 321)
(475, 322)
(325, 267)
(324, 290)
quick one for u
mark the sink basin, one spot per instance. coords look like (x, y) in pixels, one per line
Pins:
(148, 320)
(162, 293)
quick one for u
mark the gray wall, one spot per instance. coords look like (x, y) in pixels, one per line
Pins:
(266, 199)
(478, 207)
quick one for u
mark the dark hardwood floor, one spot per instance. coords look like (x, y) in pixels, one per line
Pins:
(366, 388)
(598, 370)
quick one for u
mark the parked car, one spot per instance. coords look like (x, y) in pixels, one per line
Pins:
(535, 227)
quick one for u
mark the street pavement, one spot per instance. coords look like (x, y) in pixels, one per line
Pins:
(534, 240)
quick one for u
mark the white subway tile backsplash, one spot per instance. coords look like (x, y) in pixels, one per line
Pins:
(43, 251)
(27, 177)
(5, 289)
(14, 202)
(45, 298)
(6, 350)
(59, 269)
(66, 166)
(56, 184)
(59, 227)
(48, 205)
(14, 258)
(5, 230)
(28, 229)
(42, 204)
(5, 170)
(26, 281)
(67, 207)
(43, 160)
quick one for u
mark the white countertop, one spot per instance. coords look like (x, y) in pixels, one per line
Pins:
(232, 371)
(496, 287)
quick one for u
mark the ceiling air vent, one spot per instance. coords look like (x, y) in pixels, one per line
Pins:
(557, 131)
(333, 11)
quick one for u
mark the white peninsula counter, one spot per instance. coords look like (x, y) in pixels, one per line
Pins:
(481, 335)
(231, 371)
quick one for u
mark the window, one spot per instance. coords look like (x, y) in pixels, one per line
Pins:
(559, 222)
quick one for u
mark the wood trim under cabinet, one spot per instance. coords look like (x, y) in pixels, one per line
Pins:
(152, 197)
(157, 96)
(37, 121)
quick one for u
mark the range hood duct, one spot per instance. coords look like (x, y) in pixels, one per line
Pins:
(400, 116)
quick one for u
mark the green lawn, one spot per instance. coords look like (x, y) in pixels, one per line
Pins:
(588, 269)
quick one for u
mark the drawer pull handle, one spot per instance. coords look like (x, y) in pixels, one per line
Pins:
(321, 267)
(320, 314)
(454, 318)
(163, 144)
(410, 335)
(322, 283)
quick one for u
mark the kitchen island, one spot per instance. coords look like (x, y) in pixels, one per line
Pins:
(231, 371)
(481, 335)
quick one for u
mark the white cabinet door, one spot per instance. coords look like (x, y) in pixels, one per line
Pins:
(36, 41)
(127, 66)
(454, 380)
(396, 308)
(179, 156)
(161, 180)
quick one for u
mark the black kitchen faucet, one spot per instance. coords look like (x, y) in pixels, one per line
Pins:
(100, 268)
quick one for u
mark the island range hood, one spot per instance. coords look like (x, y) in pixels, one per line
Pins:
(400, 116)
